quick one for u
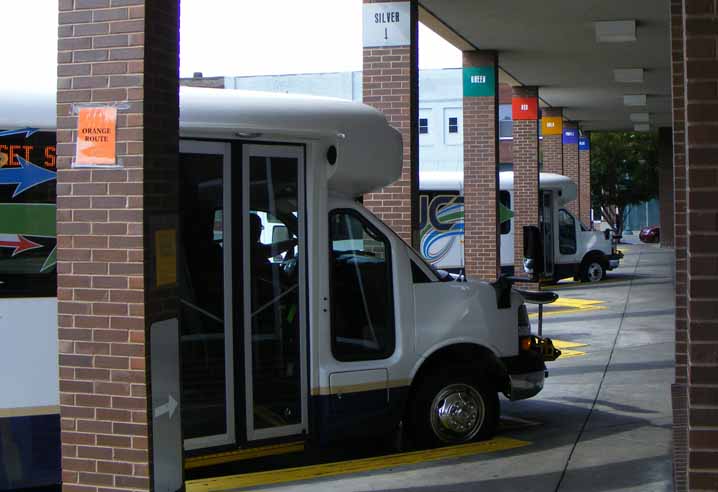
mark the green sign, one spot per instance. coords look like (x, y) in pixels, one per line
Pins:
(504, 213)
(479, 81)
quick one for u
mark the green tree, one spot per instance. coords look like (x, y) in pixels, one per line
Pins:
(623, 172)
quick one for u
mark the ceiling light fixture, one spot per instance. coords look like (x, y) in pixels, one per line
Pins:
(615, 31)
(634, 100)
(628, 75)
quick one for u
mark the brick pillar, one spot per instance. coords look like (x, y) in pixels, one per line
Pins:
(679, 389)
(551, 144)
(570, 163)
(390, 80)
(701, 158)
(111, 54)
(526, 176)
(665, 185)
(481, 152)
(584, 185)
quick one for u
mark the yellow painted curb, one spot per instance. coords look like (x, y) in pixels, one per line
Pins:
(353, 466)
(242, 454)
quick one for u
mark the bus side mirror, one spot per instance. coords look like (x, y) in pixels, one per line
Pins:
(533, 252)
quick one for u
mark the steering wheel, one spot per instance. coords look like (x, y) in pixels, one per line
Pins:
(289, 266)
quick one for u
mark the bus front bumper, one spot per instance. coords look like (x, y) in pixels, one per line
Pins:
(525, 385)
(614, 260)
(527, 371)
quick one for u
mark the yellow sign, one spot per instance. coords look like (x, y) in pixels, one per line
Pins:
(551, 125)
(166, 257)
(96, 136)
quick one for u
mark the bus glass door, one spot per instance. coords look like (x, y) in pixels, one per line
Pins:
(547, 231)
(274, 295)
(205, 311)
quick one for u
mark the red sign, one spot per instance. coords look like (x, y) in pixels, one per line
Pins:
(524, 108)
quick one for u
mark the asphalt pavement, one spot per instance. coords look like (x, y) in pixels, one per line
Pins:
(603, 420)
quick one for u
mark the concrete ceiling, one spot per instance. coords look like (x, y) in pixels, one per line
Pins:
(552, 44)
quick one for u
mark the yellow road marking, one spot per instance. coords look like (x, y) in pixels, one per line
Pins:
(242, 454)
(567, 354)
(565, 348)
(353, 466)
(575, 303)
(562, 344)
(575, 284)
(571, 305)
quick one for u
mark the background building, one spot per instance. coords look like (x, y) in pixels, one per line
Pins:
(440, 118)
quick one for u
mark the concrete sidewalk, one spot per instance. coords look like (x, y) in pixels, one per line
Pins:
(603, 421)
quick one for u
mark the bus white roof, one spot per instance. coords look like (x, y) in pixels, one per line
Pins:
(454, 181)
(369, 149)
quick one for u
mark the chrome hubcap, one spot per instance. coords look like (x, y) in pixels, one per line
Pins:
(595, 272)
(457, 413)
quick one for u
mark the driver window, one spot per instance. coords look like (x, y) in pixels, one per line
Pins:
(362, 304)
(566, 233)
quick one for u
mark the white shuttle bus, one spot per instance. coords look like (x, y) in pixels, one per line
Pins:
(328, 326)
(570, 248)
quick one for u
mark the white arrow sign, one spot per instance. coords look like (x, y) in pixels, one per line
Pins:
(168, 407)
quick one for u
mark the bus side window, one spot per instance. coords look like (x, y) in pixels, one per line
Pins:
(362, 301)
(566, 233)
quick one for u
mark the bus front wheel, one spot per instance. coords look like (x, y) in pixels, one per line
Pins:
(452, 407)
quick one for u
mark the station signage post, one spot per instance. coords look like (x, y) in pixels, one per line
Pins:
(479, 81)
(570, 136)
(551, 125)
(387, 24)
(524, 108)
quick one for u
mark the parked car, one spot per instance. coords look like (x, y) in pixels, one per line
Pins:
(650, 234)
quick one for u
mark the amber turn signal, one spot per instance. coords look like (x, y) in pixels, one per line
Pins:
(525, 343)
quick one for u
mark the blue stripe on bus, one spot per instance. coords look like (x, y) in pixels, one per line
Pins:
(29, 451)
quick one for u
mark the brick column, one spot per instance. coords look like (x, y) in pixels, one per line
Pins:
(110, 52)
(481, 235)
(679, 389)
(584, 185)
(390, 80)
(551, 144)
(665, 185)
(701, 157)
(526, 176)
(570, 162)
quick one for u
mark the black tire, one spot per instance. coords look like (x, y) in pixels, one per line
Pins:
(422, 416)
(593, 269)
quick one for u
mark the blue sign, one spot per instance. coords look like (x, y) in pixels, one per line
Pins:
(570, 136)
(27, 176)
(584, 143)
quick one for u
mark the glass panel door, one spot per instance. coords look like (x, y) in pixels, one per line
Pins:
(547, 228)
(274, 276)
(205, 319)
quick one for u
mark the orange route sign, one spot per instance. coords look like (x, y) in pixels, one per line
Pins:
(96, 137)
